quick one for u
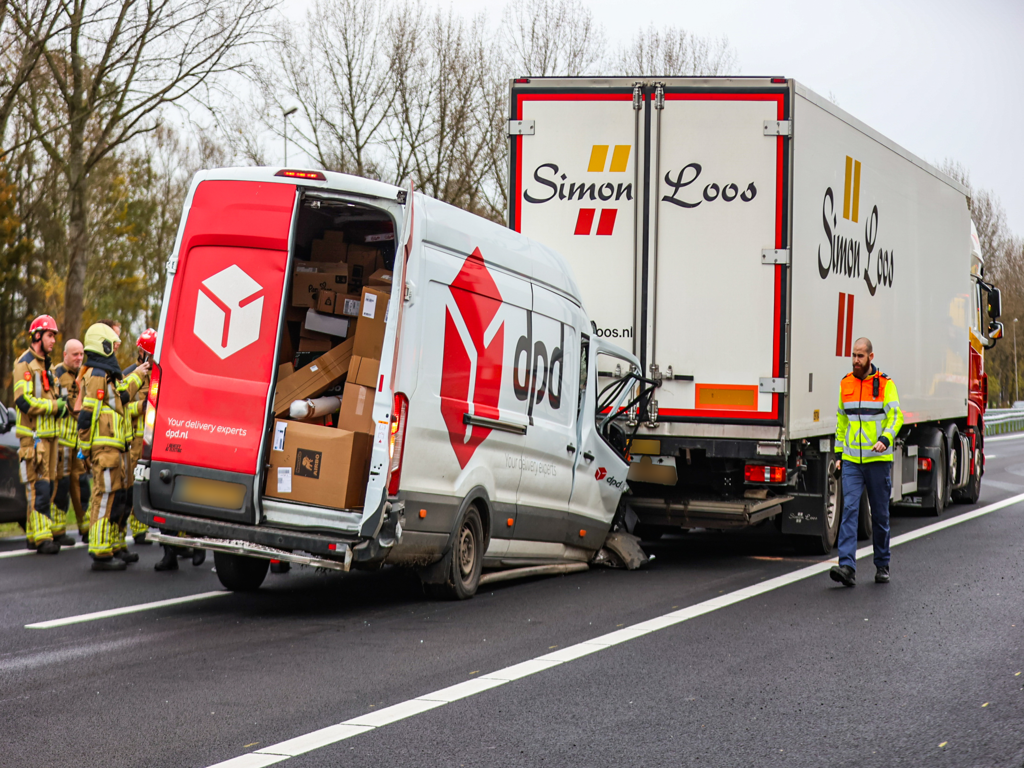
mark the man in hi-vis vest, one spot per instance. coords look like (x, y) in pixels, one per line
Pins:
(869, 420)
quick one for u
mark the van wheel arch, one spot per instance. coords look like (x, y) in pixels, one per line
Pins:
(478, 496)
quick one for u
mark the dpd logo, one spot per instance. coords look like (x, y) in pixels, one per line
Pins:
(229, 311)
(601, 473)
(471, 369)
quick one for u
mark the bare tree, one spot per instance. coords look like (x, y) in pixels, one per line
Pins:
(550, 37)
(116, 66)
(674, 51)
(26, 27)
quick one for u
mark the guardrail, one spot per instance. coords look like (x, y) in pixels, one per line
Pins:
(999, 421)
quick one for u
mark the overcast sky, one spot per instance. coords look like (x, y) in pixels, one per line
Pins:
(944, 79)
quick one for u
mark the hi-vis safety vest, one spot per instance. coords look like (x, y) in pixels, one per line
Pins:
(869, 412)
(35, 397)
(110, 425)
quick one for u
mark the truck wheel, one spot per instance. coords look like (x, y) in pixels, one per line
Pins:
(939, 487)
(832, 513)
(970, 493)
(464, 562)
(239, 573)
(864, 518)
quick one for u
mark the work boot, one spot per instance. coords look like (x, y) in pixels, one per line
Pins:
(140, 540)
(48, 547)
(198, 556)
(64, 540)
(126, 556)
(85, 537)
(882, 575)
(169, 562)
(844, 574)
(29, 544)
(109, 564)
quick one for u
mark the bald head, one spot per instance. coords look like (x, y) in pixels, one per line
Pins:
(865, 342)
(862, 357)
(74, 353)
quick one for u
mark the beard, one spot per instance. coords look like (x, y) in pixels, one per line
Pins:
(861, 370)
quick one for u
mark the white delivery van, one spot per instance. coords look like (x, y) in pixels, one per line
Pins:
(458, 352)
(740, 234)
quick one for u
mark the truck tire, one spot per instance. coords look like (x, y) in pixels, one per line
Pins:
(823, 542)
(464, 561)
(864, 518)
(972, 491)
(239, 573)
(939, 486)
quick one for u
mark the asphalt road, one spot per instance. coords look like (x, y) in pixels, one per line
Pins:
(924, 671)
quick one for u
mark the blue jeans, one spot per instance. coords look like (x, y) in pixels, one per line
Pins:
(876, 476)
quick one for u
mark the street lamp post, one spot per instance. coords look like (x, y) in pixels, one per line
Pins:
(1016, 372)
(286, 113)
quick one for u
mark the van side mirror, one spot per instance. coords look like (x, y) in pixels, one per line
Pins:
(995, 304)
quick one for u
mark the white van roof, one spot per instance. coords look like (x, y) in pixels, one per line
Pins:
(448, 227)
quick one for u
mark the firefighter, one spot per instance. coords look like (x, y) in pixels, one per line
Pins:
(39, 407)
(72, 477)
(146, 344)
(103, 431)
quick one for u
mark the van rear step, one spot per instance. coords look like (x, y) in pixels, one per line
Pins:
(248, 549)
(707, 513)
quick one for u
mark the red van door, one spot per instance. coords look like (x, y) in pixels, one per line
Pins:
(220, 332)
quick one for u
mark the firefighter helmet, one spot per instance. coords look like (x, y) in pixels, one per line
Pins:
(40, 325)
(147, 341)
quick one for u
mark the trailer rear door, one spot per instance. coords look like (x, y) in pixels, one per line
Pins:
(716, 282)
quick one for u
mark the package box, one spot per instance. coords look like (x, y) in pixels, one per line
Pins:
(381, 277)
(329, 324)
(349, 306)
(369, 332)
(318, 465)
(329, 251)
(362, 262)
(284, 370)
(323, 267)
(327, 302)
(363, 371)
(315, 345)
(286, 349)
(307, 285)
(307, 333)
(357, 409)
(314, 378)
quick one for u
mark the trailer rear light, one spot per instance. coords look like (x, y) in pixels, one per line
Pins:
(149, 429)
(159, 520)
(924, 465)
(399, 412)
(778, 79)
(764, 473)
(522, 80)
(311, 175)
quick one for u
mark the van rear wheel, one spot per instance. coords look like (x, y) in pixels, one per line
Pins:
(464, 562)
(239, 573)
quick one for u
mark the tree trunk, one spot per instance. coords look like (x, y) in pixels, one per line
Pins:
(78, 245)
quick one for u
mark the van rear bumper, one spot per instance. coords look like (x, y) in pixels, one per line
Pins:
(321, 545)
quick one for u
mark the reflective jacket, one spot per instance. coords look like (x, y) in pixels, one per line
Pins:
(35, 397)
(137, 407)
(103, 421)
(869, 412)
(67, 387)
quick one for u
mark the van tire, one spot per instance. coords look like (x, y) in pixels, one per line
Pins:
(464, 561)
(239, 573)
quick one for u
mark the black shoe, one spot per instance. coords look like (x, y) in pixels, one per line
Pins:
(198, 556)
(85, 537)
(140, 540)
(48, 547)
(126, 556)
(280, 566)
(882, 575)
(844, 574)
(29, 544)
(64, 540)
(170, 561)
(109, 564)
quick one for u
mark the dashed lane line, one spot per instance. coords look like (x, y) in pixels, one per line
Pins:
(332, 734)
(122, 611)
(21, 552)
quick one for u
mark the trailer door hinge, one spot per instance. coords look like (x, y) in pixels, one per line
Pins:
(775, 256)
(772, 386)
(778, 128)
(522, 127)
(638, 95)
(659, 96)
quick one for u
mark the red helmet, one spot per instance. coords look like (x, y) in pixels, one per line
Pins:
(147, 341)
(42, 323)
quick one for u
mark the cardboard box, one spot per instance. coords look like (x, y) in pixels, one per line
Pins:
(349, 305)
(315, 345)
(314, 378)
(363, 261)
(328, 250)
(323, 267)
(302, 359)
(327, 302)
(357, 409)
(363, 371)
(306, 333)
(329, 324)
(369, 332)
(307, 285)
(284, 370)
(318, 465)
(294, 314)
(286, 350)
(382, 277)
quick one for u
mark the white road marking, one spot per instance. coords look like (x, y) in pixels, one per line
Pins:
(332, 734)
(122, 611)
(21, 552)
(1000, 438)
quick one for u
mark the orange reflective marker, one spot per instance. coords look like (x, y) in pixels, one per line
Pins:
(510, 522)
(582, 533)
(423, 513)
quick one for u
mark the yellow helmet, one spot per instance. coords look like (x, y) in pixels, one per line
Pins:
(100, 339)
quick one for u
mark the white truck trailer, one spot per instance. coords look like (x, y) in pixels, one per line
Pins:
(740, 234)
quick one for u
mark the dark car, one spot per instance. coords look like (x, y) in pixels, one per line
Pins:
(12, 493)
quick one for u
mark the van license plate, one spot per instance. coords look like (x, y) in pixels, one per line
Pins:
(211, 493)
